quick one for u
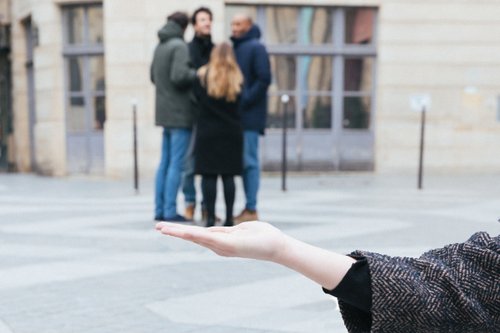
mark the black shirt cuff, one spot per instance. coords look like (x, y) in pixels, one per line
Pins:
(355, 288)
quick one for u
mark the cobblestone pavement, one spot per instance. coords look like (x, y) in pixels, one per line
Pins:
(80, 254)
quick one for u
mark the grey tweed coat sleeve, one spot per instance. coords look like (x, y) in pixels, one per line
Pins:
(455, 289)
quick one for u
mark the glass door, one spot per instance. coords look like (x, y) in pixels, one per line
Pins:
(85, 88)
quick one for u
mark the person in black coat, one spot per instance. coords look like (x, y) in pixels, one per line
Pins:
(201, 46)
(219, 136)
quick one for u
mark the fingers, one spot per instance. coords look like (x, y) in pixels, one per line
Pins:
(183, 232)
(178, 230)
(171, 227)
(217, 239)
(187, 232)
(161, 225)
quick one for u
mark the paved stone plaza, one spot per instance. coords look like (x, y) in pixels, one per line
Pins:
(81, 255)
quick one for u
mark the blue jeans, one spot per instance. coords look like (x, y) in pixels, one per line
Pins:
(251, 168)
(168, 178)
(188, 187)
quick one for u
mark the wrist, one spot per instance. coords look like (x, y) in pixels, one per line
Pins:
(322, 266)
(285, 251)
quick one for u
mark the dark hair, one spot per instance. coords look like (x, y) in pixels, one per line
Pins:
(180, 18)
(201, 10)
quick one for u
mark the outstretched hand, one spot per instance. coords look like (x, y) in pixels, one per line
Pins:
(260, 240)
(255, 240)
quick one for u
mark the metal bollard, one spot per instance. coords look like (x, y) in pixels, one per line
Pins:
(136, 164)
(421, 155)
(284, 165)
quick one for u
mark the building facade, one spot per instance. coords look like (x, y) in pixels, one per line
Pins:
(350, 68)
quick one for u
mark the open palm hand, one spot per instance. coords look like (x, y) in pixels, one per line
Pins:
(256, 240)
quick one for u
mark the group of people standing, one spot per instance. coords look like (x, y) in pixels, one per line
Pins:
(211, 101)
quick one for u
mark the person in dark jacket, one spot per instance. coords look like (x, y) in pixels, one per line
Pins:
(201, 46)
(454, 289)
(254, 63)
(173, 79)
(219, 135)
(199, 52)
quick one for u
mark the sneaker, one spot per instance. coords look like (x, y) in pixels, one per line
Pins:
(159, 218)
(176, 218)
(245, 216)
(189, 212)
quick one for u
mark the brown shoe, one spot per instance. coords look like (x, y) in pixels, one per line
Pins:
(189, 212)
(245, 216)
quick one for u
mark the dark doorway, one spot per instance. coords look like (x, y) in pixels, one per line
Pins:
(5, 99)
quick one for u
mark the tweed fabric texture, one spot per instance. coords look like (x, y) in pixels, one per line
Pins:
(454, 289)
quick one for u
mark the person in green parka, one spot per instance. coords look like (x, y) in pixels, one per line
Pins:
(173, 77)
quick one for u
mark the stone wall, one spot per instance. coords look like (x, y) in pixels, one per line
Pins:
(20, 10)
(49, 129)
(449, 50)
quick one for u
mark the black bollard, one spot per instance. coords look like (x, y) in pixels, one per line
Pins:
(136, 165)
(421, 157)
(284, 165)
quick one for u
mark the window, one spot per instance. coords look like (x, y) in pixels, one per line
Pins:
(357, 92)
(359, 25)
(84, 25)
(323, 58)
(282, 25)
(84, 62)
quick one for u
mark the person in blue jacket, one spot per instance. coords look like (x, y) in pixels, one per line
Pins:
(253, 60)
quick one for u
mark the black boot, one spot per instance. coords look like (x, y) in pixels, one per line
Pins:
(229, 223)
(210, 222)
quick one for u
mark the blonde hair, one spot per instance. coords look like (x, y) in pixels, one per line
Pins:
(222, 76)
